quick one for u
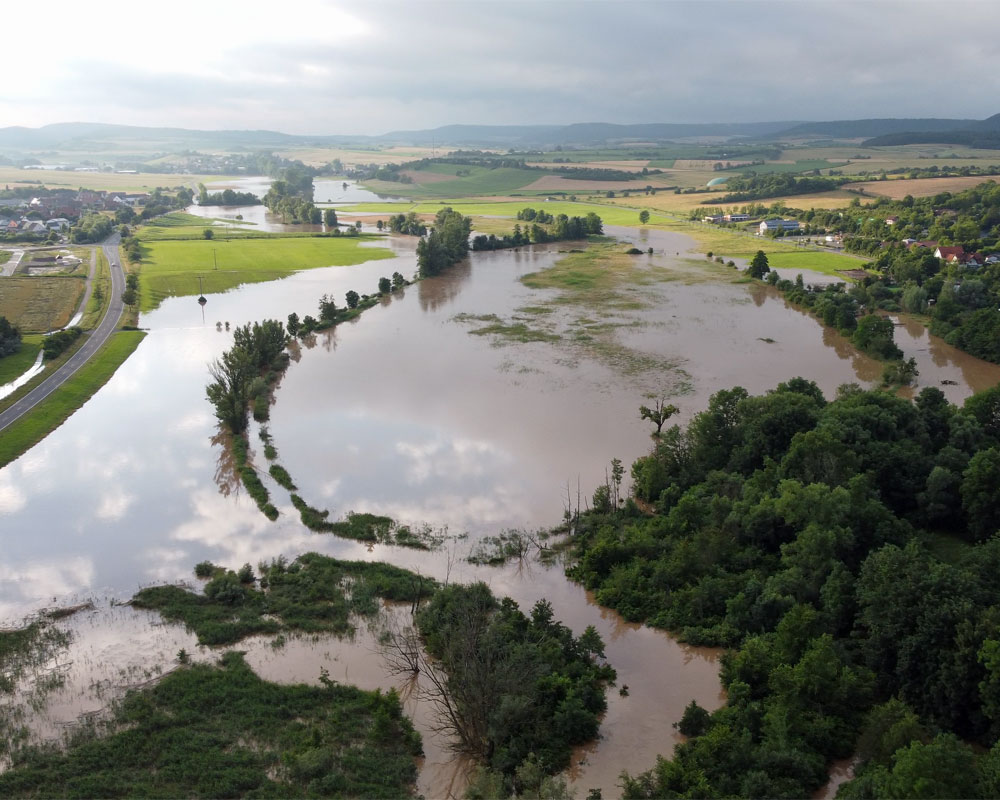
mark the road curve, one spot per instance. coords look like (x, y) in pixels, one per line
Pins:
(94, 340)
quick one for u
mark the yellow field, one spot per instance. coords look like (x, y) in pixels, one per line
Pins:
(923, 187)
(318, 156)
(685, 203)
(106, 181)
(37, 305)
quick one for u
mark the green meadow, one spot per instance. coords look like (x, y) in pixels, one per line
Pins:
(171, 268)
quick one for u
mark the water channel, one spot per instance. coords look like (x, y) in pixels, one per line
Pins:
(402, 412)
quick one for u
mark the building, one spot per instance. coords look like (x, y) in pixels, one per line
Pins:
(769, 225)
(736, 217)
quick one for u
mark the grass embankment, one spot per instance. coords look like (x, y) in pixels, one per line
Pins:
(313, 594)
(100, 296)
(172, 268)
(221, 731)
(16, 364)
(40, 304)
(179, 225)
(58, 406)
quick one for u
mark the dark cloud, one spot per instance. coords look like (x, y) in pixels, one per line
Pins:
(423, 64)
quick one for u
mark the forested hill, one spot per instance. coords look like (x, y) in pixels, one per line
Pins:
(858, 128)
(848, 554)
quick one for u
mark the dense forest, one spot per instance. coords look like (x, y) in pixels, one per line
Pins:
(751, 186)
(846, 553)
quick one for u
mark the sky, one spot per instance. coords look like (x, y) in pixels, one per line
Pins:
(373, 66)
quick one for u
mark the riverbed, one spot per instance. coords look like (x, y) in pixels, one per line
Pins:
(406, 412)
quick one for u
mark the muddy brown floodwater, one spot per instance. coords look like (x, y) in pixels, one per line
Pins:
(406, 412)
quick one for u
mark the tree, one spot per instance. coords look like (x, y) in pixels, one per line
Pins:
(208, 233)
(293, 324)
(10, 338)
(643, 217)
(398, 280)
(130, 297)
(981, 493)
(352, 299)
(658, 414)
(759, 266)
(384, 285)
(327, 308)
(330, 218)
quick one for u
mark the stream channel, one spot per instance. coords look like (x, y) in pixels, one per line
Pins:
(404, 412)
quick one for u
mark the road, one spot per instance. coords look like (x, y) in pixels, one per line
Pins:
(94, 342)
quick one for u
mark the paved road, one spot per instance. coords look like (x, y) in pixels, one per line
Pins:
(95, 340)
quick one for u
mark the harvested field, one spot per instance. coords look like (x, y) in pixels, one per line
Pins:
(923, 187)
(40, 304)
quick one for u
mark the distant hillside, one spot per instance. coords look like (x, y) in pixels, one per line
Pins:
(81, 135)
(983, 134)
(868, 128)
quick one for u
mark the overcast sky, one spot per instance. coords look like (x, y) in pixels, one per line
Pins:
(368, 67)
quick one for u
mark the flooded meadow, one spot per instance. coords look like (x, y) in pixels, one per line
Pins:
(468, 403)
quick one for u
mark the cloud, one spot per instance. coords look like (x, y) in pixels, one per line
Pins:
(333, 67)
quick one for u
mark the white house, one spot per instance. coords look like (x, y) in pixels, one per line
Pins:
(779, 224)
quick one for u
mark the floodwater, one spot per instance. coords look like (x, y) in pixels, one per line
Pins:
(404, 412)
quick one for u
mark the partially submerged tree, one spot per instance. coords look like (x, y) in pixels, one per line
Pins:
(658, 414)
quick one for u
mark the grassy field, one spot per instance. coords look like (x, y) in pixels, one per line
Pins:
(57, 407)
(179, 225)
(923, 187)
(319, 156)
(172, 267)
(5, 256)
(39, 304)
(106, 181)
(480, 182)
(100, 295)
(18, 363)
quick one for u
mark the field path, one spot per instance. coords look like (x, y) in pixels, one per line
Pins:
(8, 269)
(94, 341)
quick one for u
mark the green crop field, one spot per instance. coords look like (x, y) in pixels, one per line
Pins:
(481, 181)
(106, 181)
(171, 268)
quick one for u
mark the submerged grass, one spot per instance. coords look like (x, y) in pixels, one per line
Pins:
(221, 731)
(312, 594)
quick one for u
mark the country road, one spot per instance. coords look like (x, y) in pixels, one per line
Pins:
(94, 340)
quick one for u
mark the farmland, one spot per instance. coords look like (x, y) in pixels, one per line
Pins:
(172, 268)
(40, 304)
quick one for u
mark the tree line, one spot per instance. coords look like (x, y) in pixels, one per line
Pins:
(10, 337)
(446, 244)
(561, 228)
(847, 554)
(227, 197)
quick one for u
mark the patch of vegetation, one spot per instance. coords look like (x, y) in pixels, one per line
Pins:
(795, 531)
(221, 731)
(171, 268)
(40, 304)
(44, 418)
(517, 689)
(513, 331)
(312, 594)
(280, 474)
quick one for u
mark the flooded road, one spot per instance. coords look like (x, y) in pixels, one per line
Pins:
(405, 412)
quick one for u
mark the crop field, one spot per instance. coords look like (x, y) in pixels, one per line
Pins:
(923, 187)
(37, 305)
(171, 268)
(179, 225)
(107, 181)
(350, 157)
(480, 181)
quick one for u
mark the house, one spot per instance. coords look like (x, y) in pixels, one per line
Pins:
(930, 245)
(736, 217)
(779, 225)
(715, 219)
(57, 224)
(891, 220)
(951, 255)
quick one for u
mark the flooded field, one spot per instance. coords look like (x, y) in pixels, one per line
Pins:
(407, 412)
